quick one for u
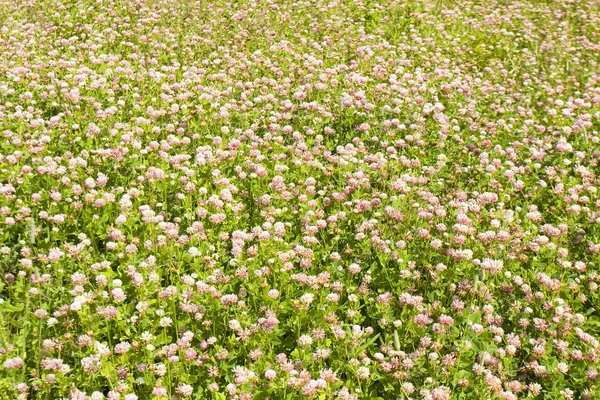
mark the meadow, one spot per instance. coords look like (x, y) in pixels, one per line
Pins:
(309, 199)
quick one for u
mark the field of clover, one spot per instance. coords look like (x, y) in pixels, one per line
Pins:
(312, 199)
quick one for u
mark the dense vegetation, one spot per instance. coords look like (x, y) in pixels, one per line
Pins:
(289, 200)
